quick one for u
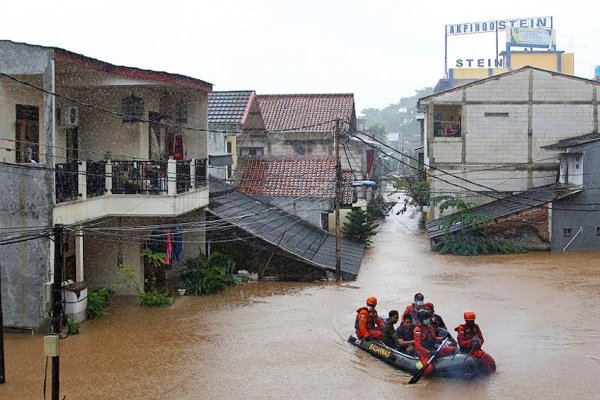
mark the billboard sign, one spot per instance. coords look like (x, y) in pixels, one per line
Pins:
(531, 37)
(498, 25)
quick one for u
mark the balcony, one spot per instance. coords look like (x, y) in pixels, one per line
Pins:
(94, 189)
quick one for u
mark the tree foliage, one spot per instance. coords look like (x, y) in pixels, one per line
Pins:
(207, 275)
(417, 192)
(470, 239)
(360, 227)
(398, 117)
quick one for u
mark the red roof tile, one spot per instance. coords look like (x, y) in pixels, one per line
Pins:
(288, 177)
(292, 111)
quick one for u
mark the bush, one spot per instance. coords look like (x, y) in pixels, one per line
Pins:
(155, 299)
(378, 208)
(73, 326)
(207, 275)
(97, 302)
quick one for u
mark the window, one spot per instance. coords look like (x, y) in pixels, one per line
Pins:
(446, 121)
(495, 114)
(251, 151)
(28, 132)
(567, 232)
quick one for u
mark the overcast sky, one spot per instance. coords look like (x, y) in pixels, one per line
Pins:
(380, 50)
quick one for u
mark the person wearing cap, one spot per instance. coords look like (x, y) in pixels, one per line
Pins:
(470, 340)
(368, 324)
(436, 320)
(426, 342)
(414, 308)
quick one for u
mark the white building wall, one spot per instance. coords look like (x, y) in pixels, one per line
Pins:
(505, 88)
(549, 87)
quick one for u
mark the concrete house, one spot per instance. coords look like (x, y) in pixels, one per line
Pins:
(487, 139)
(301, 186)
(231, 114)
(576, 218)
(121, 154)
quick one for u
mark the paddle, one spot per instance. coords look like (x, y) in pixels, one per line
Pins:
(420, 372)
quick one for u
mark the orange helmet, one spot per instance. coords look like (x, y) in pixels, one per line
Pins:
(469, 315)
(372, 301)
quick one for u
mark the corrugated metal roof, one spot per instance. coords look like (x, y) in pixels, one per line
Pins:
(513, 204)
(290, 233)
(574, 141)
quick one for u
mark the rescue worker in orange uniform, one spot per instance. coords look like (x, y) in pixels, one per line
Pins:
(426, 340)
(368, 325)
(470, 340)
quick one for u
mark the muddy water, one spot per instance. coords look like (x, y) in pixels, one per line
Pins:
(539, 313)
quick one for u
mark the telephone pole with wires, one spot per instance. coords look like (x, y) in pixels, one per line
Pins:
(338, 194)
(52, 341)
(2, 371)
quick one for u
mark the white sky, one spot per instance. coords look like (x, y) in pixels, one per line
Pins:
(380, 50)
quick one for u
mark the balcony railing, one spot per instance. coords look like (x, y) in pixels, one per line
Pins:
(82, 179)
(67, 181)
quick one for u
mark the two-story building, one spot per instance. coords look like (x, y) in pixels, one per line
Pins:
(231, 114)
(121, 156)
(487, 139)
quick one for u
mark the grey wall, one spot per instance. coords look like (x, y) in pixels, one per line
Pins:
(309, 210)
(19, 58)
(25, 267)
(587, 204)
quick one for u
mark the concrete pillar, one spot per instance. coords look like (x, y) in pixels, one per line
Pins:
(193, 173)
(82, 179)
(79, 256)
(171, 176)
(109, 177)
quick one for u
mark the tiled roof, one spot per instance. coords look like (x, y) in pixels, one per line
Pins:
(292, 111)
(573, 141)
(228, 107)
(288, 177)
(288, 232)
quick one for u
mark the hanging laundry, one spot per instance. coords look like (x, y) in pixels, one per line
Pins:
(177, 235)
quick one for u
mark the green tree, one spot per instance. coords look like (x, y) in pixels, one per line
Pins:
(470, 239)
(360, 227)
(398, 117)
(417, 192)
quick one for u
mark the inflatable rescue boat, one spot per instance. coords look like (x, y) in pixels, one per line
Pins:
(457, 366)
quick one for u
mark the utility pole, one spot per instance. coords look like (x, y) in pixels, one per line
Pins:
(338, 193)
(2, 371)
(57, 308)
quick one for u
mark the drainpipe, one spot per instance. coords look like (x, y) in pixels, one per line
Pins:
(571, 241)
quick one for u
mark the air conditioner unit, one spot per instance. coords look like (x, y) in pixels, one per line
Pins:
(68, 116)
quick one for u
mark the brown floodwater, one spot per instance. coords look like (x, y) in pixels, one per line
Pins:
(539, 313)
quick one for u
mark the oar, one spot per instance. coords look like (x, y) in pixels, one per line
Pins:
(420, 372)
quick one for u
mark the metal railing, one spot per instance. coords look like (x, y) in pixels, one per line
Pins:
(67, 175)
(82, 179)
(139, 177)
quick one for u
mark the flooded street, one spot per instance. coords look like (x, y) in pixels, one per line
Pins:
(539, 314)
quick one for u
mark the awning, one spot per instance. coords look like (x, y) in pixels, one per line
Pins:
(286, 231)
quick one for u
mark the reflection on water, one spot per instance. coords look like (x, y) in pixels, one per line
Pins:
(274, 340)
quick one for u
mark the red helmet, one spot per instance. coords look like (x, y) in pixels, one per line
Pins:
(372, 301)
(469, 315)
(428, 306)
